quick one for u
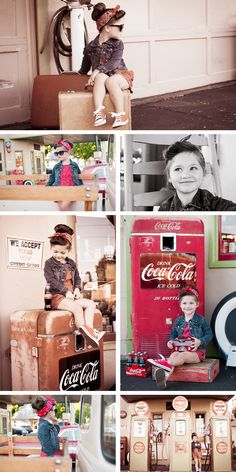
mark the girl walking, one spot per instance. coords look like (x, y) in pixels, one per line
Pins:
(104, 55)
(62, 274)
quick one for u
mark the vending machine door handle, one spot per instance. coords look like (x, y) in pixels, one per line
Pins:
(35, 352)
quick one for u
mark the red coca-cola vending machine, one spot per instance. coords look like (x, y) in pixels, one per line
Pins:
(166, 255)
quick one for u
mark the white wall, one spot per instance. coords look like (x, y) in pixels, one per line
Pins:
(172, 45)
(227, 165)
(218, 282)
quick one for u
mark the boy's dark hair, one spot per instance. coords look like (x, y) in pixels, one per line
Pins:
(183, 146)
(100, 8)
(39, 403)
(61, 240)
(194, 434)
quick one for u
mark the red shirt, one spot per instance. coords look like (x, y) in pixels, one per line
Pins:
(187, 334)
(66, 176)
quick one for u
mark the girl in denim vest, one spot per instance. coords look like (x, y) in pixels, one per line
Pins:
(62, 274)
(48, 428)
(191, 332)
(104, 56)
(65, 173)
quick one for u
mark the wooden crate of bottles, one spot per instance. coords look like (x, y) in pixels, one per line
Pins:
(137, 365)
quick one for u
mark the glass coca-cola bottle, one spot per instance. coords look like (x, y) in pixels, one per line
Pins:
(47, 298)
(129, 359)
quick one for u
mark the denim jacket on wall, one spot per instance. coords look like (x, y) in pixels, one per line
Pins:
(48, 437)
(55, 274)
(199, 328)
(55, 176)
(105, 57)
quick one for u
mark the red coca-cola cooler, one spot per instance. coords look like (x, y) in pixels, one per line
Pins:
(166, 255)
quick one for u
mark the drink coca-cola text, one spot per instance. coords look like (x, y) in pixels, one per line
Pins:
(80, 379)
(178, 271)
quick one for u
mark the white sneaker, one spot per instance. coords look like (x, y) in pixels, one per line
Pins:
(120, 119)
(99, 117)
(89, 334)
(99, 334)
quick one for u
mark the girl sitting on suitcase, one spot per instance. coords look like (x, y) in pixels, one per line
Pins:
(109, 72)
(62, 274)
(65, 173)
(188, 326)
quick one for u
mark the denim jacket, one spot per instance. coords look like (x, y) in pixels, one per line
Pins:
(105, 57)
(48, 437)
(202, 201)
(55, 274)
(199, 328)
(55, 176)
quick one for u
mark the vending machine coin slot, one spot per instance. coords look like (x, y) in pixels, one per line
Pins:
(168, 242)
(79, 342)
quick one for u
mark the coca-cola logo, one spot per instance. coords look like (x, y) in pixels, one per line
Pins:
(167, 271)
(80, 372)
(170, 226)
(178, 271)
(135, 371)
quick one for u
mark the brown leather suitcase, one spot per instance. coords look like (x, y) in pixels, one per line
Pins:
(46, 88)
(76, 111)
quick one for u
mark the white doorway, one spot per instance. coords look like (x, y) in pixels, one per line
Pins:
(17, 60)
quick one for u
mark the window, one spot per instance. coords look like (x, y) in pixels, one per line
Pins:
(67, 433)
(200, 424)
(85, 412)
(158, 427)
(19, 160)
(100, 172)
(109, 428)
(3, 424)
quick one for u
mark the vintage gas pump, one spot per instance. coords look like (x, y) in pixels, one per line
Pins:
(166, 255)
(140, 447)
(180, 437)
(221, 439)
(74, 46)
(47, 354)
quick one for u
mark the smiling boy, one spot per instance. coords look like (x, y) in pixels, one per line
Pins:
(185, 169)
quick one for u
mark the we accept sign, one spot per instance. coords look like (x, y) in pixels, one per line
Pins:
(24, 253)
